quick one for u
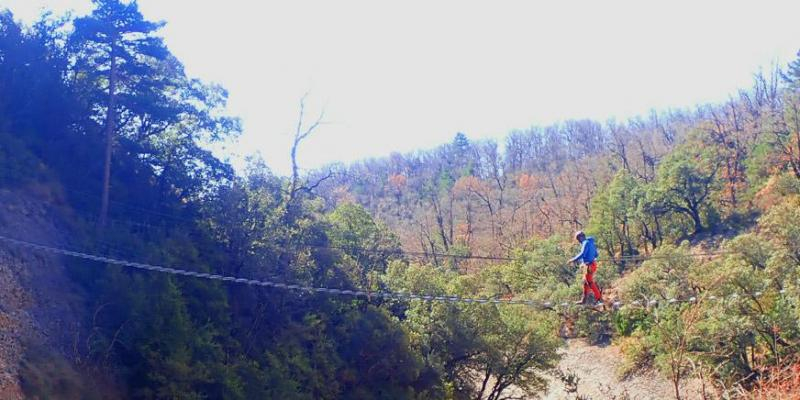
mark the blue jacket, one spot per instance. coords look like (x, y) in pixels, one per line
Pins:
(588, 251)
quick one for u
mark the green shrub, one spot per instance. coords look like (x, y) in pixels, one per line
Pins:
(17, 163)
(627, 321)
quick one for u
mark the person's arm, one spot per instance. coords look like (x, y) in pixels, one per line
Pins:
(581, 254)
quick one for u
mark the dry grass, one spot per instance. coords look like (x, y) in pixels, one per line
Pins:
(783, 383)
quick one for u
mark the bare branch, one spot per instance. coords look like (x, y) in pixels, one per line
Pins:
(302, 133)
(310, 188)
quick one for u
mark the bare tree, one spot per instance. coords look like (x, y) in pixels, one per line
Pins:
(302, 132)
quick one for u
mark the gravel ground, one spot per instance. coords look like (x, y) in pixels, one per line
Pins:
(597, 366)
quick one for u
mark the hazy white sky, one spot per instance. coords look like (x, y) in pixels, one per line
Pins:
(403, 75)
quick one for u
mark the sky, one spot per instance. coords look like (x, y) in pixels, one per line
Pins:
(407, 75)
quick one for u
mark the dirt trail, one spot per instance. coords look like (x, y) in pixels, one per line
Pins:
(597, 367)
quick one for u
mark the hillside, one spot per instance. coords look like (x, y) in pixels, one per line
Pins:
(440, 274)
(42, 308)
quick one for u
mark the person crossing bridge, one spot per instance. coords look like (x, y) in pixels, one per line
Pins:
(588, 257)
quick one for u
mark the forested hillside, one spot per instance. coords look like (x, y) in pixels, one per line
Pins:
(637, 183)
(696, 214)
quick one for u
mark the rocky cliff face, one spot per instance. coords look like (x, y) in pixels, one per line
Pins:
(39, 305)
(15, 325)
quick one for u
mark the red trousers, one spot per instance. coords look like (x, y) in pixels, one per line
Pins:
(589, 284)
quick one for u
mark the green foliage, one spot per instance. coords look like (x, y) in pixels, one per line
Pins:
(365, 244)
(128, 80)
(375, 350)
(792, 74)
(749, 328)
(781, 226)
(162, 337)
(17, 163)
(787, 185)
(513, 344)
(759, 164)
(685, 182)
(628, 321)
(618, 217)
(670, 339)
(542, 267)
(462, 163)
(167, 337)
(664, 276)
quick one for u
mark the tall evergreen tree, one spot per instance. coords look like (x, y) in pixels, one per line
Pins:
(792, 74)
(120, 61)
(138, 91)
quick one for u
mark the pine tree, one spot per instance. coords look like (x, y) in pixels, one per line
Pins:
(125, 70)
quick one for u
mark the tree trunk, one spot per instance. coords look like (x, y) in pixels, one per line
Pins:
(468, 238)
(676, 387)
(110, 128)
(698, 223)
(295, 173)
(440, 221)
(450, 216)
(796, 160)
(486, 377)
(659, 233)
